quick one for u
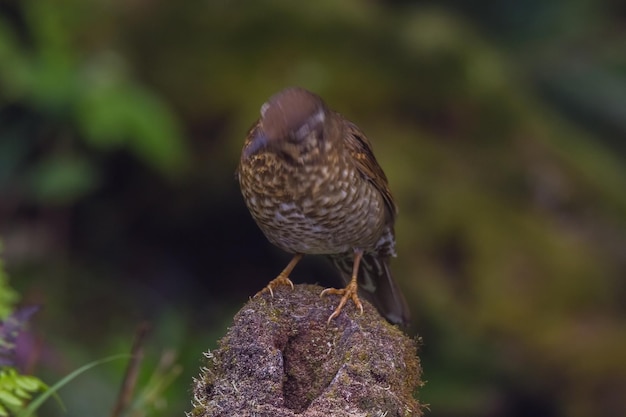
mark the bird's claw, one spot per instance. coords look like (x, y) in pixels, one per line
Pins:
(279, 280)
(347, 293)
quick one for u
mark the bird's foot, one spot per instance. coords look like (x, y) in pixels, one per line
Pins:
(347, 293)
(279, 280)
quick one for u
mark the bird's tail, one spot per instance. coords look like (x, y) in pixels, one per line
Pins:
(376, 285)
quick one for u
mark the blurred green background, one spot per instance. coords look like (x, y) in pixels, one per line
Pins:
(500, 124)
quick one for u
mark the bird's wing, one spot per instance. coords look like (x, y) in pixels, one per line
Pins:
(361, 150)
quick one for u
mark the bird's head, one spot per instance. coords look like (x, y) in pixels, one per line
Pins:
(294, 123)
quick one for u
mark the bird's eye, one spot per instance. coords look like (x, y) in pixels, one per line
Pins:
(303, 132)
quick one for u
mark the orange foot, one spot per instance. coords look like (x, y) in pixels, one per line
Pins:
(283, 277)
(279, 280)
(349, 292)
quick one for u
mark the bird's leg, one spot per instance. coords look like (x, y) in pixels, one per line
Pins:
(350, 291)
(283, 277)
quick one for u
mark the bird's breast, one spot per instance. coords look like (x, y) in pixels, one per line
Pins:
(313, 208)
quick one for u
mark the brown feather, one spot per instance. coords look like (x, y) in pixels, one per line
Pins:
(361, 150)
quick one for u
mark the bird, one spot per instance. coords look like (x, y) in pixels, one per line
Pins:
(311, 182)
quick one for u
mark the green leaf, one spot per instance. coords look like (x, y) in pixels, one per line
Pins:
(37, 402)
(29, 383)
(8, 398)
(21, 393)
(8, 297)
(63, 179)
(120, 115)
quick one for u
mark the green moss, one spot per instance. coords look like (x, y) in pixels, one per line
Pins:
(300, 365)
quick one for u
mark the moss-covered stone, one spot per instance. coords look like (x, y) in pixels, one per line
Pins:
(281, 358)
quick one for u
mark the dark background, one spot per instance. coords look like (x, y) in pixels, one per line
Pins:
(500, 124)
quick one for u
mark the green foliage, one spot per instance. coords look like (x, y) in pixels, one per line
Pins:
(16, 391)
(117, 115)
(62, 179)
(37, 402)
(88, 100)
(8, 296)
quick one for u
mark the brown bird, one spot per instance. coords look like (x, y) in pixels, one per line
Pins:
(313, 185)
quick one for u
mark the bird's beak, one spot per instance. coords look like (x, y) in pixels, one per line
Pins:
(258, 142)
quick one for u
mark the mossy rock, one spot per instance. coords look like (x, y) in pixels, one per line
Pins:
(282, 358)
